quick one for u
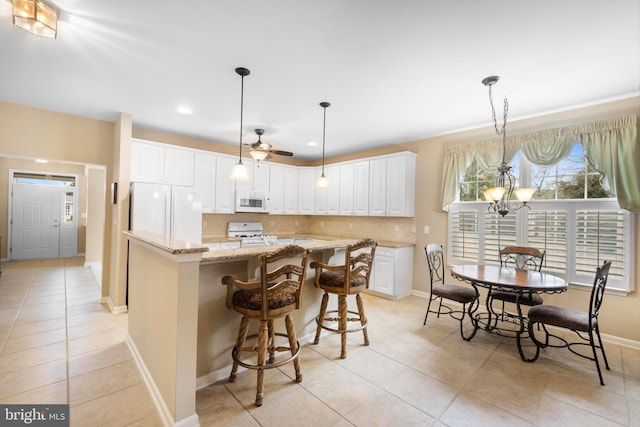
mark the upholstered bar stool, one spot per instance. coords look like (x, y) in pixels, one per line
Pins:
(275, 294)
(348, 279)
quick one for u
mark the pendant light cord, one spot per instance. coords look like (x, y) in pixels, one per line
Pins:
(324, 127)
(241, 114)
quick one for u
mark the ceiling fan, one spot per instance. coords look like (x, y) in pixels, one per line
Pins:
(260, 150)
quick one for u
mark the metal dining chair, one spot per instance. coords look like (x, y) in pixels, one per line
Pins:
(521, 258)
(441, 290)
(577, 321)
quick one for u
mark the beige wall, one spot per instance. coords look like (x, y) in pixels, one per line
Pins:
(96, 194)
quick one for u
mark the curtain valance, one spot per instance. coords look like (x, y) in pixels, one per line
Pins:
(611, 146)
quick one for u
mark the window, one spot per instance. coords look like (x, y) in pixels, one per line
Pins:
(571, 218)
(42, 179)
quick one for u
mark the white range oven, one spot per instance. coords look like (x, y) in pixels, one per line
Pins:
(250, 234)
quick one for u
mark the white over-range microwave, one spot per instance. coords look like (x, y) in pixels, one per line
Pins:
(251, 202)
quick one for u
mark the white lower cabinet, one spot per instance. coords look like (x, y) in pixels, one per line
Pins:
(392, 274)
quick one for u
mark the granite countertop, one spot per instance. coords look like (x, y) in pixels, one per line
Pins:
(172, 246)
(251, 251)
(319, 243)
(385, 243)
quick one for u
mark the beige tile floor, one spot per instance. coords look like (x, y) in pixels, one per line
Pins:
(59, 345)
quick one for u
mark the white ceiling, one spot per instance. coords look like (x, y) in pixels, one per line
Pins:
(394, 71)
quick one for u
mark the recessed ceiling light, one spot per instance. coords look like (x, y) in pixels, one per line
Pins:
(311, 144)
(183, 109)
(42, 161)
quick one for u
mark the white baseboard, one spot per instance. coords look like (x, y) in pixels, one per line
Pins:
(113, 308)
(163, 410)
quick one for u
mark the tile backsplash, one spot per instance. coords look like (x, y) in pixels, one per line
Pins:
(214, 226)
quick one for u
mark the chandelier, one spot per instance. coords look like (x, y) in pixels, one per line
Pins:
(499, 197)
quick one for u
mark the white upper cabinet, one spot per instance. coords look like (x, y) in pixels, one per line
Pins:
(276, 189)
(178, 166)
(290, 190)
(361, 188)
(378, 187)
(392, 185)
(147, 162)
(347, 188)
(374, 186)
(161, 164)
(283, 189)
(306, 190)
(332, 206)
(205, 180)
(401, 184)
(225, 191)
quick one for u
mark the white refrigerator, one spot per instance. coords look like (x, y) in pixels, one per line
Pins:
(174, 212)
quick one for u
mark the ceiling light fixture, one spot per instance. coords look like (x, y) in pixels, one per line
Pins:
(323, 182)
(259, 150)
(499, 197)
(240, 170)
(36, 17)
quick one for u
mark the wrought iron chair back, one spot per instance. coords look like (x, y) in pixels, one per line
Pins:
(435, 260)
(467, 296)
(522, 258)
(585, 325)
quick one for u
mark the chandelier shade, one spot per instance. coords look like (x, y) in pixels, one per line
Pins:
(35, 17)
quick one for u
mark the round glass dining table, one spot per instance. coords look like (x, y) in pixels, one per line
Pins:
(520, 282)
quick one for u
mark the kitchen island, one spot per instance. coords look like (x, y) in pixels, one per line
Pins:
(180, 331)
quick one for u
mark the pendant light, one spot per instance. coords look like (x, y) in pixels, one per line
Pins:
(499, 197)
(323, 182)
(240, 170)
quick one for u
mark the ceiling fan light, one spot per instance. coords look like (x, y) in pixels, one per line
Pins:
(259, 154)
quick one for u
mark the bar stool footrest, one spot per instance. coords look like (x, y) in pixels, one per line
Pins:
(234, 355)
(360, 326)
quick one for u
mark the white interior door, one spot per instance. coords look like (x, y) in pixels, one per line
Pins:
(35, 221)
